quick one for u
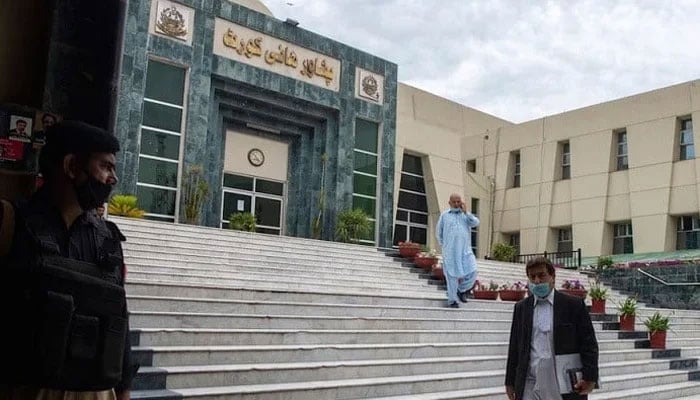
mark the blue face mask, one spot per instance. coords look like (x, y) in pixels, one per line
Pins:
(540, 290)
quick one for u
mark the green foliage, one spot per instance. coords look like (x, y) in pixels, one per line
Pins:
(597, 292)
(603, 263)
(124, 205)
(628, 307)
(657, 323)
(195, 192)
(504, 252)
(242, 221)
(352, 225)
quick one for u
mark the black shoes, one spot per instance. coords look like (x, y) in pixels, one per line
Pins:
(463, 296)
(453, 304)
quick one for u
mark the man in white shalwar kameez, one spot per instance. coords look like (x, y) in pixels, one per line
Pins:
(458, 261)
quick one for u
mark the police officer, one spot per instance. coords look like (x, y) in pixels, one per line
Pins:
(62, 302)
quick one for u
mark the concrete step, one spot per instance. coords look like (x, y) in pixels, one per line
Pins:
(164, 356)
(154, 378)
(165, 319)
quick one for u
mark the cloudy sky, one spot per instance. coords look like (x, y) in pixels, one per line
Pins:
(518, 59)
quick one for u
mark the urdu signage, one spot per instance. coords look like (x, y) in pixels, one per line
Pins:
(251, 47)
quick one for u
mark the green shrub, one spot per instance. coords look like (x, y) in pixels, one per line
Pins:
(124, 205)
(352, 226)
(242, 221)
(504, 252)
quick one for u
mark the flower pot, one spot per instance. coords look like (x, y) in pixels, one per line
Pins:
(408, 251)
(425, 262)
(657, 340)
(438, 273)
(598, 306)
(575, 292)
(512, 295)
(626, 322)
(485, 294)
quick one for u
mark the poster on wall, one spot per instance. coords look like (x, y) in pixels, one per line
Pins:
(11, 150)
(20, 128)
(42, 122)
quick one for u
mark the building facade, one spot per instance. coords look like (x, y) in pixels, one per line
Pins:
(295, 127)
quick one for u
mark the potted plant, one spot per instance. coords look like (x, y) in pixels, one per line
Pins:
(627, 310)
(574, 287)
(352, 226)
(438, 272)
(242, 221)
(408, 249)
(598, 296)
(514, 292)
(603, 263)
(426, 259)
(124, 205)
(486, 292)
(657, 326)
(504, 252)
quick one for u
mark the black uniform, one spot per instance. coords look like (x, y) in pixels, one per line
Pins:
(41, 234)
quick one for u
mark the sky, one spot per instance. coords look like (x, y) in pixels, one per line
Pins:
(517, 59)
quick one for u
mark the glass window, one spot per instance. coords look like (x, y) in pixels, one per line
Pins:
(687, 142)
(475, 242)
(364, 204)
(413, 201)
(238, 182)
(565, 160)
(412, 183)
(565, 242)
(366, 133)
(165, 82)
(419, 218)
(514, 240)
(688, 236)
(622, 151)
(475, 206)
(366, 185)
(400, 232)
(402, 215)
(236, 202)
(412, 165)
(419, 234)
(623, 239)
(366, 163)
(268, 211)
(157, 172)
(160, 144)
(269, 187)
(471, 166)
(156, 201)
(161, 117)
(516, 169)
(268, 231)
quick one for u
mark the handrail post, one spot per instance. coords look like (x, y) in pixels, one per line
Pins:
(579, 256)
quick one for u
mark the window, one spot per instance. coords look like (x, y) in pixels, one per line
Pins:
(158, 182)
(687, 150)
(514, 240)
(471, 166)
(475, 230)
(365, 172)
(622, 163)
(515, 159)
(564, 240)
(565, 160)
(412, 213)
(688, 229)
(622, 238)
(260, 197)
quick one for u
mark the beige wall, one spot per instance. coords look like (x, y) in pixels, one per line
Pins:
(651, 193)
(236, 157)
(434, 128)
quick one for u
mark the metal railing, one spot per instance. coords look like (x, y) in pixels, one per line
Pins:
(663, 282)
(567, 259)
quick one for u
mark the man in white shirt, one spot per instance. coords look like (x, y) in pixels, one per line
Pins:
(546, 324)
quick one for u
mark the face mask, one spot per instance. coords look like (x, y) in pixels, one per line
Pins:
(540, 290)
(92, 193)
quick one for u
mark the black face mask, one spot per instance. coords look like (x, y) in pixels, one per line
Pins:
(92, 193)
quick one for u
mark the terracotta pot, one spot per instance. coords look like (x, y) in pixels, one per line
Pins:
(598, 306)
(485, 294)
(425, 262)
(657, 340)
(438, 273)
(582, 293)
(626, 322)
(512, 295)
(408, 251)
